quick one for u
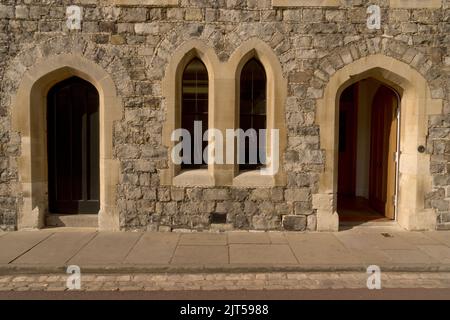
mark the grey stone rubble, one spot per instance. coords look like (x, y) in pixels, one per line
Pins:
(133, 44)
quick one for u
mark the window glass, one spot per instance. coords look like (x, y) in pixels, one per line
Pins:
(195, 106)
(252, 113)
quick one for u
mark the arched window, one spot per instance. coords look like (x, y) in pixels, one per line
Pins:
(252, 114)
(194, 110)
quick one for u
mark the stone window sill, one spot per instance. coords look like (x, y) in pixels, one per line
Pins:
(253, 179)
(145, 2)
(412, 4)
(306, 3)
(194, 178)
(416, 4)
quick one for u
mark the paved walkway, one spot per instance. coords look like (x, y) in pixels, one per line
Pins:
(52, 250)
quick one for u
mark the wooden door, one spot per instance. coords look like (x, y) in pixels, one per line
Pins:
(347, 142)
(73, 147)
(382, 152)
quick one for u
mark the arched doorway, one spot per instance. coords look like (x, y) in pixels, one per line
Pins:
(367, 152)
(73, 147)
(416, 104)
(29, 118)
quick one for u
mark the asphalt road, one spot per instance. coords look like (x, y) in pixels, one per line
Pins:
(335, 294)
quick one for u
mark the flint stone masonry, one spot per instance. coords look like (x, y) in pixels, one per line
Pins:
(134, 40)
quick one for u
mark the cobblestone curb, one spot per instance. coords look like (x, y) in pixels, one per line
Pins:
(9, 269)
(222, 281)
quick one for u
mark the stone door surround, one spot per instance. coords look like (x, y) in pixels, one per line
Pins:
(29, 119)
(416, 105)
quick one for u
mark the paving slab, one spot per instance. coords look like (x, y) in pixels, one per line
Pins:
(153, 248)
(56, 249)
(200, 239)
(390, 242)
(365, 229)
(277, 238)
(106, 248)
(261, 254)
(416, 238)
(372, 256)
(438, 252)
(375, 240)
(355, 241)
(440, 236)
(320, 248)
(200, 255)
(70, 229)
(248, 237)
(409, 257)
(14, 244)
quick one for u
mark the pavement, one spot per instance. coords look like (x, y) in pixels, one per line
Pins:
(392, 249)
(33, 264)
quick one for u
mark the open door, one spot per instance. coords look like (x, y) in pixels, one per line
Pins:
(383, 148)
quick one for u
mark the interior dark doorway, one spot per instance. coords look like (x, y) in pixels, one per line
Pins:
(73, 147)
(367, 164)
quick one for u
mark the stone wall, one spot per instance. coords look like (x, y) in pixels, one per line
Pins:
(134, 44)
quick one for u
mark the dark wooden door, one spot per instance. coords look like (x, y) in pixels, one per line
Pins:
(347, 142)
(382, 151)
(73, 147)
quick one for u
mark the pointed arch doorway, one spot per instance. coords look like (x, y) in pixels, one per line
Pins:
(416, 104)
(29, 119)
(368, 152)
(73, 147)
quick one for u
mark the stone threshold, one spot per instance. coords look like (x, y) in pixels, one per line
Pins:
(72, 220)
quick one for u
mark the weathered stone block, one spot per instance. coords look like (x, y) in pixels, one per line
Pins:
(6, 11)
(133, 15)
(177, 194)
(163, 194)
(22, 12)
(300, 194)
(311, 224)
(216, 194)
(260, 194)
(294, 223)
(323, 202)
(193, 14)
